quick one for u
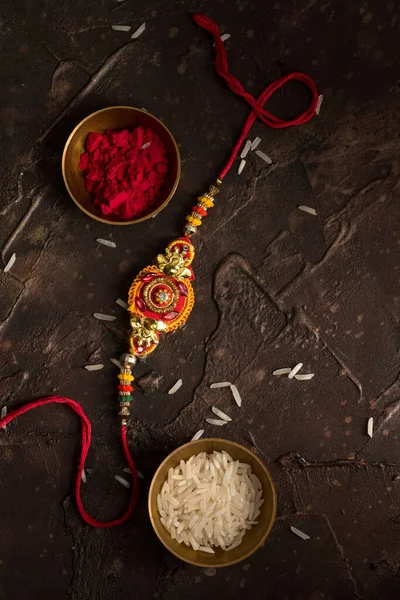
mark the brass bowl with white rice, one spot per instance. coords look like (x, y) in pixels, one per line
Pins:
(212, 503)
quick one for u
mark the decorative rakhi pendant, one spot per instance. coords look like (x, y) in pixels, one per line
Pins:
(161, 298)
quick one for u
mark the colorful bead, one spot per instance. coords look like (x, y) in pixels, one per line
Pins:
(128, 359)
(193, 221)
(201, 211)
(125, 388)
(127, 398)
(207, 202)
(190, 230)
(124, 412)
(126, 377)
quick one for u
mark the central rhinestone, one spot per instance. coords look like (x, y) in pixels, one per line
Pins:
(163, 296)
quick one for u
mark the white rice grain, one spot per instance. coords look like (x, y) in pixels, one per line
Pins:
(102, 317)
(237, 397)
(10, 263)
(122, 481)
(197, 435)
(308, 209)
(295, 370)
(209, 501)
(304, 377)
(242, 165)
(108, 243)
(116, 362)
(264, 157)
(83, 476)
(284, 371)
(221, 384)
(3, 413)
(318, 108)
(138, 31)
(146, 145)
(301, 534)
(246, 149)
(121, 303)
(175, 387)
(94, 367)
(225, 37)
(255, 143)
(206, 549)
(370, 427)
(220, 414)
(218, 422)
(121, 27)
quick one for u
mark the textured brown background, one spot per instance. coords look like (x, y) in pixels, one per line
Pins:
(274, 286)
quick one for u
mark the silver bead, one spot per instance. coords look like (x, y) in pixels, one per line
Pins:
(128, 359)
(190, 229)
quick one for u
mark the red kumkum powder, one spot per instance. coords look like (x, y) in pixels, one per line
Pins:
(124, 170)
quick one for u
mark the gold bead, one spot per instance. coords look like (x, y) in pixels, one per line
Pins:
(124, 412)
(124, 422)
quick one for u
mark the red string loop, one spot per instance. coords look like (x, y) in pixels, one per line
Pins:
(221, 65)
(86, 440)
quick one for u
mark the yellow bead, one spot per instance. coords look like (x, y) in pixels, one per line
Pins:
(195, 222)
(206, 201)
(125, 377)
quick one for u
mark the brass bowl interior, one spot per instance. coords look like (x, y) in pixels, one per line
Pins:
(253, 539)
(117, 117)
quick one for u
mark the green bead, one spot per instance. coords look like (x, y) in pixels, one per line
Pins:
(125, 398)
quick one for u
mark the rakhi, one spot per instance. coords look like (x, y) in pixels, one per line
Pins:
(161, 297)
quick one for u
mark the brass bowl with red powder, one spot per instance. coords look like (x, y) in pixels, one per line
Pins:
(118, 117)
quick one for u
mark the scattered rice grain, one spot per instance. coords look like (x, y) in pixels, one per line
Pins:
(295, 370)
(121, 27)
(10, 263)
(146, 145)
(284, 371)
(237, 397)
(3, 413)
(102, 317)
(370, 427)
(301, 534)
(320, 99)
(246, 149)
(308, 209)
(255, 143)
(122, 481)
(106, 242)
(94, 367)
(264, 157)
(304, 377)
(221, 384)
(218, 422)
(241, 166)
(83, 476)
(225, 37)
(175, 387)
(138, 31)
(220, 414)
(121, 303)
(197, 435)
(116, 362)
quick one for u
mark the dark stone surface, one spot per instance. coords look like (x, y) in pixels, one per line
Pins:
(274, 286)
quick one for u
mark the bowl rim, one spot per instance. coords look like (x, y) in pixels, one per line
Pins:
(263, 538)
(132, 221)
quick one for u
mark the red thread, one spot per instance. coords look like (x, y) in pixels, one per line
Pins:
(86, 440)
(221, 65)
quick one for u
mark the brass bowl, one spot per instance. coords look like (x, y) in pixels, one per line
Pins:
(253, 539)
(117, 117)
